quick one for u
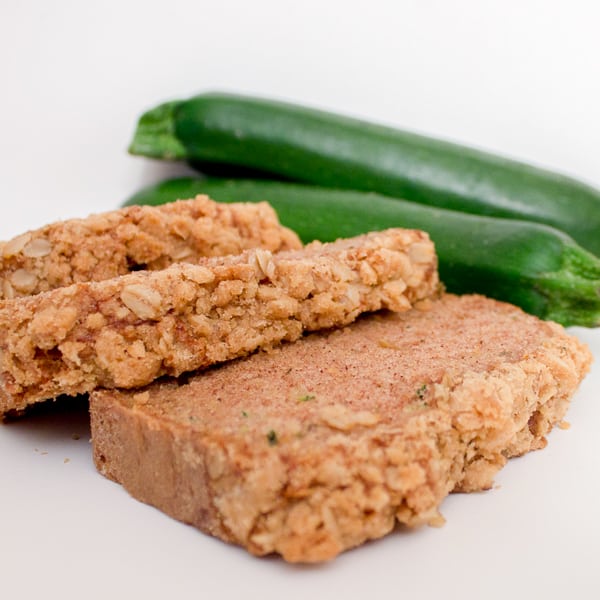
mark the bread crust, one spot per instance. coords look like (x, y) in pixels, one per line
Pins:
(127, 331)
(320, 445)
(114, 243)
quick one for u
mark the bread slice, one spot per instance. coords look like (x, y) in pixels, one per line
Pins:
(129, 330)
(317, 446)
(138, 237)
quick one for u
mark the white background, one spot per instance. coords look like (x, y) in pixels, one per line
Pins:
(517, 77)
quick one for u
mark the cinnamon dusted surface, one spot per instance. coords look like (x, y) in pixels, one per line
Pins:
(114, 243)
(317, 446)
(129, 330)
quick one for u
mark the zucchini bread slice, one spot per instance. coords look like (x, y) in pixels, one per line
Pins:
(114, 243)
(129, 330)
(317, 446)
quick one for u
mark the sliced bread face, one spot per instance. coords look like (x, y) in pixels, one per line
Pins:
(314, 447)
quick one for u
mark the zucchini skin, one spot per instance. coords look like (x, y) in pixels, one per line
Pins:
(534, 266)
(330, 150)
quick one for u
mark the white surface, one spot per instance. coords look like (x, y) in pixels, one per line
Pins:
(521, 79)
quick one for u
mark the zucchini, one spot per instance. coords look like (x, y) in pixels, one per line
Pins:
(329, 150)
(534, 266)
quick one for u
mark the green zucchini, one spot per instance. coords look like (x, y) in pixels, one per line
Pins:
(329, 150)
(534, 266)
